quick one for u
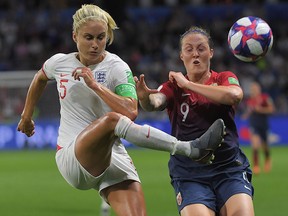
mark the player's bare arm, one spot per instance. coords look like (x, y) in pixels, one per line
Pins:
(228, 95)
(38, 84)
(157, 101)
(123, 105)
(149, 99)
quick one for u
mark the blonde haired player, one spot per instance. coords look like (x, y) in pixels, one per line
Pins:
(98, 105)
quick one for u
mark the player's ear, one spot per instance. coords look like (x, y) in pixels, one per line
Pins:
(211, 53)
(181, 55)
(74, 36)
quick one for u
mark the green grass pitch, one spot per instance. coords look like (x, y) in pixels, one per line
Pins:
(30, 185)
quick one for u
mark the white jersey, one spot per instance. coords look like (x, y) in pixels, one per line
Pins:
(80, 105)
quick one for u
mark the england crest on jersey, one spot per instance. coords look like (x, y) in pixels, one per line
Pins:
(100, 76)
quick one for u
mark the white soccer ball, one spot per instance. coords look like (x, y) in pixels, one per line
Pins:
(250, 38)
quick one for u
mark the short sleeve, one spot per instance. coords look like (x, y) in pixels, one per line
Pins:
(123, 80)
(228, 78)
(50, 64)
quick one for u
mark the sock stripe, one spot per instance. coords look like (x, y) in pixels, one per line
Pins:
(148, 135)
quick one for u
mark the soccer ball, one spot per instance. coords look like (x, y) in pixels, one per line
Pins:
(250, 38)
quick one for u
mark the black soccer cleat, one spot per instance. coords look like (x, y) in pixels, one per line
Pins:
(208, 143)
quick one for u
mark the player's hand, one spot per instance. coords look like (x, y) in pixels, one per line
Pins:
(142, 89)
(26, 126)
(178, 78)
(87, 75)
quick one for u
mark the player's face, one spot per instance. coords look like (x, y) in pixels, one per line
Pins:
(196, 53)
(91, 40)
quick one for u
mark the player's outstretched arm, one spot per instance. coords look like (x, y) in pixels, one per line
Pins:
(149, 99)
(228, 95)
(37, 86)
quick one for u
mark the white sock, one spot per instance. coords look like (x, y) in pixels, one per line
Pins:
(150, 137)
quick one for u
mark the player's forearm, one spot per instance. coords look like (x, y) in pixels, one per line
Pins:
(34, 93)
(146, 105)
(228, 95)
(123, 105)
(154, 102)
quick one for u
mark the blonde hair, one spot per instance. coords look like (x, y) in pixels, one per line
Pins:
(92, 12)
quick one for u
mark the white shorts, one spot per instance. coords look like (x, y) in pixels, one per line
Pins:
(120, 169)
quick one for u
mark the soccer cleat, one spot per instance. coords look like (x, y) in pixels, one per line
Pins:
(208, 143)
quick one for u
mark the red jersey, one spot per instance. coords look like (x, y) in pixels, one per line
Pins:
(192, 114)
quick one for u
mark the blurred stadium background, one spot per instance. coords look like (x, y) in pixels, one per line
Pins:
(31, 31)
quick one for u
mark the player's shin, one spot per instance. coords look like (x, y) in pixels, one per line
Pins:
(150, 137)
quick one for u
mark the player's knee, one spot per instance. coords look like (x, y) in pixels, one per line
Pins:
(112, 118)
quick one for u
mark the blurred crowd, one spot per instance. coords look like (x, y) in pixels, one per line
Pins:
(147, 39)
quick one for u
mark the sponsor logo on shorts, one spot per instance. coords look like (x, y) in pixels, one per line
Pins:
(245, 177)
(179, 199)
(245, 186)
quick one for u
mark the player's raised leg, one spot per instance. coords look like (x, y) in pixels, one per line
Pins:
(150, 137)
(95, 142)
